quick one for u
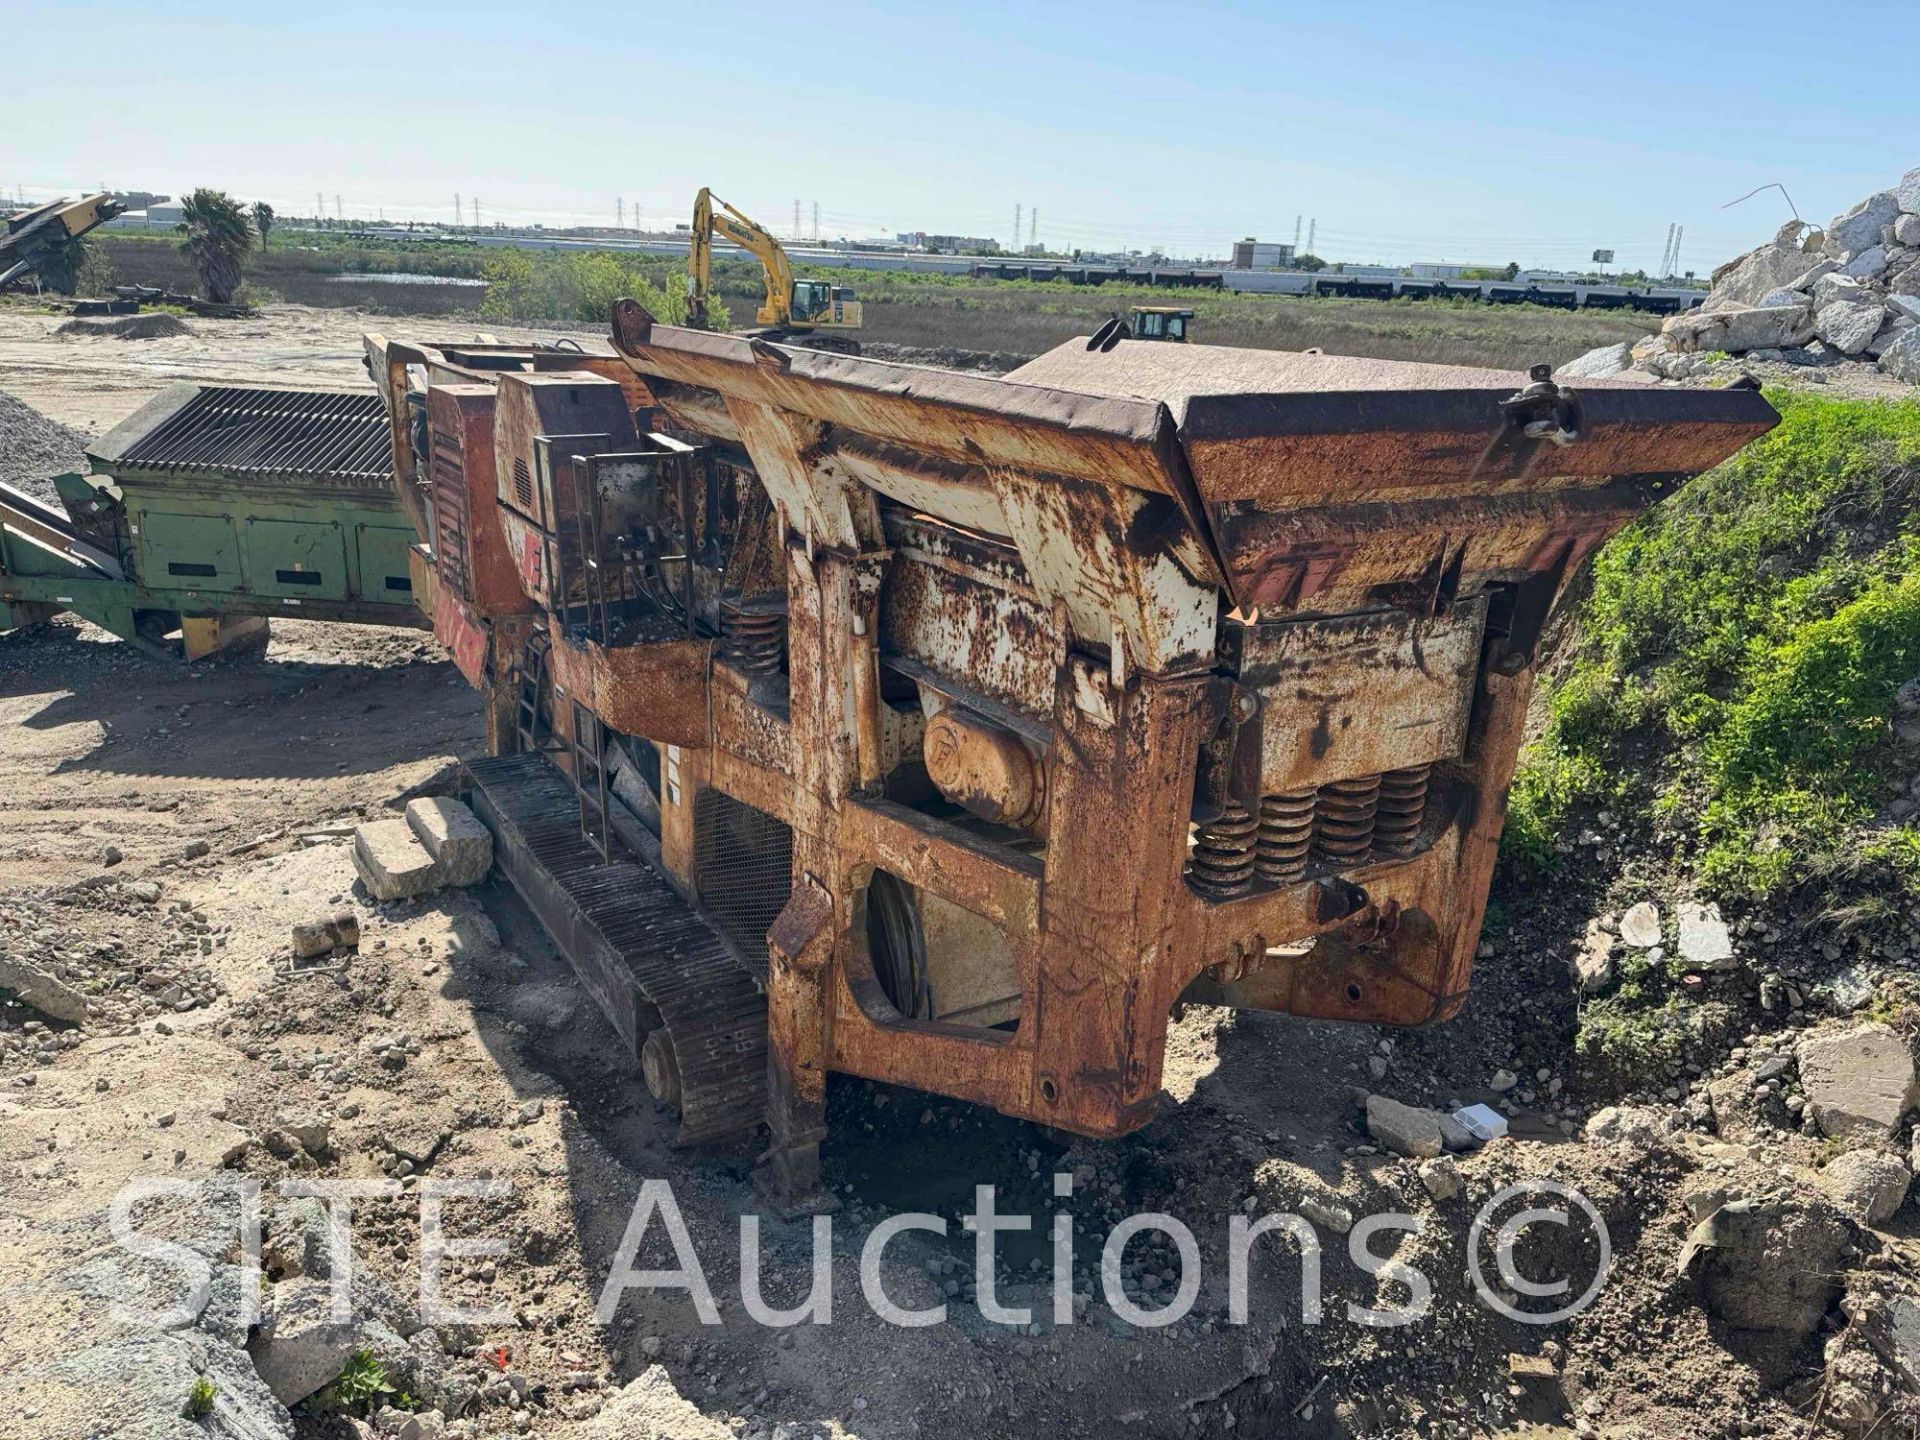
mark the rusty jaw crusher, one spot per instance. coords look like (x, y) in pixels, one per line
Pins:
(943, 730)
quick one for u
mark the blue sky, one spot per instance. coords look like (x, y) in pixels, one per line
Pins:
(1468, 132)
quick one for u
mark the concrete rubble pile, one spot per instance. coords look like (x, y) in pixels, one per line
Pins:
(1849, 292)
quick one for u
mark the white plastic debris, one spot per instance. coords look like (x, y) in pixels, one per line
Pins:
(1483, 1122)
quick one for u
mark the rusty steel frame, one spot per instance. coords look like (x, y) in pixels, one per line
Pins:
(1178, 583)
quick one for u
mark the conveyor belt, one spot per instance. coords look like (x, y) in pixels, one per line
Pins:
(645, 954)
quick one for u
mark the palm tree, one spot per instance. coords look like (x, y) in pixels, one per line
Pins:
(218, 238)
(263, 218)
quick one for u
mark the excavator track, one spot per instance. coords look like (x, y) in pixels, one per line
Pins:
(685, 1004)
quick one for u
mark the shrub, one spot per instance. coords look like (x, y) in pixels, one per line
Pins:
(1736, 658)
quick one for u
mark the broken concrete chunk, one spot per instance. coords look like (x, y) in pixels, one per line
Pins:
(1869, 264)
(1442, 1177)
(311, 938)
(1640, 926)
(1705, 943)
(460, 845)
(1849, 327)
(391, 861)
(1598, 364)
(38, 990)
(1901, 357)
(650, 1408)
(301, 1347)
(1858, 1082)
(1592, 964)
(1869, 1186)
(1740, 329)
(1860, 227)
(1404, 1129)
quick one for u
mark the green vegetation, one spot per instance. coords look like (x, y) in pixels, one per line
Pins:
(263, 218)
(358, 1389)
(934, 312)
(1736, 662)
(200, 1399)
(582, 285)
(1641, 1031)
(75, 267)
(218, 237)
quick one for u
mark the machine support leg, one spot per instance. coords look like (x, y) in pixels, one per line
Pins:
(799, 949)
(204, 635)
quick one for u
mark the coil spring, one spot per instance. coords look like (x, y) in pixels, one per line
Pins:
(1402, 808)
(1286, 834)
(753, 640)
(1343, 820)
(1223, 852)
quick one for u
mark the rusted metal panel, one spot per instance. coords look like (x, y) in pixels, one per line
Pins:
(466, 636)
(1270, 436)
(996, 639)
(470, 544)
(1358, 694)
(658, 690)
(1121, 563)
(967, 418)
(1346, 557)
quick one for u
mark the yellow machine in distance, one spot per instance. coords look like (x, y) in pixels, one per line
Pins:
(792, 307)
(1160, 322)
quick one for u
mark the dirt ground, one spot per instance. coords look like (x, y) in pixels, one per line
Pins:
(161, 827)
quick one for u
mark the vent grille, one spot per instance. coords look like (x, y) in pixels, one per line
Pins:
(522, 486)
(336, 434)
(450, 502)
(743, 866)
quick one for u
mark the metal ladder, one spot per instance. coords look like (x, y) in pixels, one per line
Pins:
(533, 673)
(590, 779)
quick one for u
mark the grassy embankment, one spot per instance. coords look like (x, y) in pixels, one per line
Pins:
(1728, 688)
(931, 312)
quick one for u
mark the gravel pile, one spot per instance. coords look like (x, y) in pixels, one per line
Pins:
(33, 449)
(128, 327)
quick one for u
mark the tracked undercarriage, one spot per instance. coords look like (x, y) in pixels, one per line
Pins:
(948, 731)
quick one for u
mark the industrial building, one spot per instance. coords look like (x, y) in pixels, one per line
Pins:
(1252, 254)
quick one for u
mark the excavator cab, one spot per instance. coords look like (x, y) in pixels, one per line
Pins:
(1160, 322)
(817, 302)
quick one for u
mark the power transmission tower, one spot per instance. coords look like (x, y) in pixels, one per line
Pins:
(620, 214)
(1033, 226)
(1296, 233)
(456, 207)
(338, 208)
(476, 212)
(319, 206)
(1018, 211)
(816, 222)
(797, 233)
(1679, 234)
(1312, 226)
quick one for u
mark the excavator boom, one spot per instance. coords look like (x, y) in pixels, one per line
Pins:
(790, 306)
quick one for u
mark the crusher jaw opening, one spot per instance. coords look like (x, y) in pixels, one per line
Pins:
(948, 730)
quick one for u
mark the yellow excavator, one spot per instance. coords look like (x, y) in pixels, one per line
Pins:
(820, 311)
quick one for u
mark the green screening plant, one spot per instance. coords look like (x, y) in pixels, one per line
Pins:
(263, 218)
(218, 235)
(1737, 658)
